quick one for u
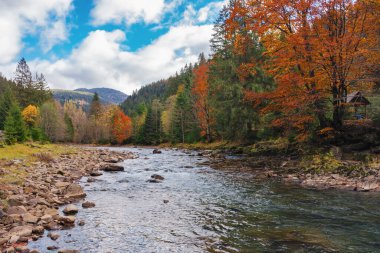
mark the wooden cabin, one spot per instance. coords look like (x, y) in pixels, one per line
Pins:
(357, 104)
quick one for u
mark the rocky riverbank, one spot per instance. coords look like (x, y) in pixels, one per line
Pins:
(29, 208)
(330, 170)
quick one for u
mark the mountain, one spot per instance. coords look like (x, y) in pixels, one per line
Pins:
(108, 95)
(84, 96)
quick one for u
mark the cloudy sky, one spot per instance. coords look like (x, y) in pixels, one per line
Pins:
(120, 44)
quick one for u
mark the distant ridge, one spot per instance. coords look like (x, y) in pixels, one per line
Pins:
(84, 96)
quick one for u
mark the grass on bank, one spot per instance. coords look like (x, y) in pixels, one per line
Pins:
(25, 154)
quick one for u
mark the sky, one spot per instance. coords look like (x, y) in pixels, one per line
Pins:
(120, 44)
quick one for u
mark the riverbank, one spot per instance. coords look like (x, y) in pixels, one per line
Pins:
(35, 180)
(327, 167)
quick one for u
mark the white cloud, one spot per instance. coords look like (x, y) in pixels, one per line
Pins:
(210, 12)
(100, 60)
(21, 17)
(129, 11)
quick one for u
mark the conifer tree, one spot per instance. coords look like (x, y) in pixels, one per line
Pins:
(15, 129)
(6, 101)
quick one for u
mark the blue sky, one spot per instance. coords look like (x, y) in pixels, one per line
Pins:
(120, 44)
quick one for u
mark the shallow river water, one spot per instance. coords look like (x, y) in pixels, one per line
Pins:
(215, 211)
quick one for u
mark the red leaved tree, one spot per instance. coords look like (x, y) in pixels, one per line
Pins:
(121, 126)
(201, 93)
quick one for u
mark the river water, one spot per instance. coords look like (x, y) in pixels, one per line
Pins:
(215, 211)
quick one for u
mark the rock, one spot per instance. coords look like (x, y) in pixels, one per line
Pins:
(156, 151)
(112, 160)
(3, 241)
(91, 180)
(51, 211)
(70, 209)
(14, 239)
(74, 191)
(62, 184)
(2, 214)
(47, 218)
(53, 236)
(9, 250)
(68, 251)
(166, 201)
(95, 174)
(67, 220)
(39, 230)
(52, 247)
(28, 218)
(22, 249)
(34, 251)
(154, 181)
(88, 204)
(21, 231)
(81, 223)
(16, 210)
(15, 200)
(112, 167)
(157, 177)
(52, 226)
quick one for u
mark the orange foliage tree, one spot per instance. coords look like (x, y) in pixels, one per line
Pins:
(121, 126)
(317, 50)
(30, 115)
(200, 91)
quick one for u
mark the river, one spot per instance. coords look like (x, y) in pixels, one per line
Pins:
(215, 211)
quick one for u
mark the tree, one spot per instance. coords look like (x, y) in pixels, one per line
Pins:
(201, 92)
(52, 121)
(6, 101)
(30, 115)
(95, 106)
(121, 126)
(14, 127)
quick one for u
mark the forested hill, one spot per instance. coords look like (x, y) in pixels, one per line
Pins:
(84, 96)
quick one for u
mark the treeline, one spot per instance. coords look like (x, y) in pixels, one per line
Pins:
(28, 112)
(277, 69)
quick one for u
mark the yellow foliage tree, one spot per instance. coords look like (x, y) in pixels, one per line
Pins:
(30, 114)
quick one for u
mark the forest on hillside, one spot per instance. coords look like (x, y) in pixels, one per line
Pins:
(304, 72)
(28, 112)
(278, 69)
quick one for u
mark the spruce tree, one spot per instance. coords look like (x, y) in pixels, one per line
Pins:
(6, 101)
(15, 129)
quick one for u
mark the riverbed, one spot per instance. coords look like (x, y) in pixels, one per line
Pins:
(199, 209)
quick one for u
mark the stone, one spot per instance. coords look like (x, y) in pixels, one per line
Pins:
(156, 151)
(52, 247)
(60, 184)
(95, 174)
(52, 226)
(28, 218)
(39, 230)
(21, 231)
(91, 180)
(34, 251)
(16, 210)
(47, 218)
(70, 209)
(157, 177)
(53, 236)
(14, 239)
(166, 201)
(81, 223)
(74, 191)
(51, 211)
(9, 250)
(68, 251)
(112, 160)
(67, 220)
(15, 200)
(22, 249)
(112, 167)
(88, 204)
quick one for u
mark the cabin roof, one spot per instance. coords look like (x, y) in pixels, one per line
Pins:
(357, 97)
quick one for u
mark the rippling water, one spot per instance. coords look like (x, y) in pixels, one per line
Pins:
(214, 211)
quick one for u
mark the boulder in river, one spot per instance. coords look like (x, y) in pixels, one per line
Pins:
(68, 251)
(70, 209)
(88, 204)
(74, 191)
(53, 236)
(157, 177)
(96, 173)
(157, 151)
(112, 167)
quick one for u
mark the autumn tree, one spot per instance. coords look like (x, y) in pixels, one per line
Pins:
(121, 126)
(200, 91)
(30, 115)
